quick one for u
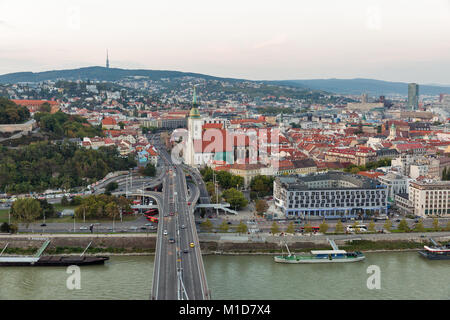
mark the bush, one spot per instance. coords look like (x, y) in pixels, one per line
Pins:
(4, 228)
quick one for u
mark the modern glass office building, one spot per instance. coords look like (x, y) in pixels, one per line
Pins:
(413, 96)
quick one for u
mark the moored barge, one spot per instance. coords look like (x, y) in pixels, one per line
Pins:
(50, 261)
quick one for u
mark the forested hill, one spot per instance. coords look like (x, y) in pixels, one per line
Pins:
(46, 165)
(99, 73)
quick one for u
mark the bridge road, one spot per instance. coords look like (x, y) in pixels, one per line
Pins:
(178, 275)
(165, 274)
(193, 275)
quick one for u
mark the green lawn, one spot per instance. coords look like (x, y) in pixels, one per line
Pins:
(4, 215)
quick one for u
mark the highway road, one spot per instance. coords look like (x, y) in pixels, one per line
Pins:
(179, 272)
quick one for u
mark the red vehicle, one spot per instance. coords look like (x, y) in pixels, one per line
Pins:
(153, 219)
(151, 212)
(314, 229)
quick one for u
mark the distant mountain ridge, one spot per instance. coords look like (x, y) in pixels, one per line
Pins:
(98, 73)
(355, 86)
(359, 86)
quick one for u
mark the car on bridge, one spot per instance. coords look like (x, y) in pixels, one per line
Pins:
(165, 232)
(192, 245)
(171, 240)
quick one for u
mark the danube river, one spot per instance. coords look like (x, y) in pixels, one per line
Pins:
(403, 275)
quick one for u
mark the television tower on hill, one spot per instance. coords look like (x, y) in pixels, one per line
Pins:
(107, 59)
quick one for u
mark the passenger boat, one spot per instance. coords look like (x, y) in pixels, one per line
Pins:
(436, 252)
(322, 256)
(49, 261)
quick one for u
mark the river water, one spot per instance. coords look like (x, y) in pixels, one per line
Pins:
(403, 275)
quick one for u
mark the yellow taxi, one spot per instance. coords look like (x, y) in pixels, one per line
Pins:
(192, 245)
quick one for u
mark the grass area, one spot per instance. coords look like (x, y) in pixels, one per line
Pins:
(4, 215)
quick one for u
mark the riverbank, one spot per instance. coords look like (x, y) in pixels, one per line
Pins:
(226, 244)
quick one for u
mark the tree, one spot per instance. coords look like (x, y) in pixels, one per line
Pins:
(26, 210)
(261, 206)
(45, 107)
(207, 225)
(435, 224)
(111, 186)
(4, 228)
(241, 228)
(275, 228)
(64, 201)
(262, 185)
(388, 225)
(403, 226)
(235, 198)
(447, 227)
(419, 226)
(290, 228)
(121, 125)
(323, 227)
(339, 227)
(148, 171)
(372, 226)
(224, 226)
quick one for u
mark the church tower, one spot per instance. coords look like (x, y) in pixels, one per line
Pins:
(392, 132)
(194, 126)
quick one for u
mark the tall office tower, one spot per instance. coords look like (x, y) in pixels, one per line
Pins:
(413, 96)
(107, 59)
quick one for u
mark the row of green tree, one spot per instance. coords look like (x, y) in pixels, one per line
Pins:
(102, 207)
(46, 165)
(369, 166)
(62, 125)
(11, 113)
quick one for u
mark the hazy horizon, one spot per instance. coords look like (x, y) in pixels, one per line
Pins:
(399, 41)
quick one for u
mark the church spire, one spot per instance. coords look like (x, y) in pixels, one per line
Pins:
(194, 111)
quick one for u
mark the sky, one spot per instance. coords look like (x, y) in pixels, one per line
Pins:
(401, 40)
